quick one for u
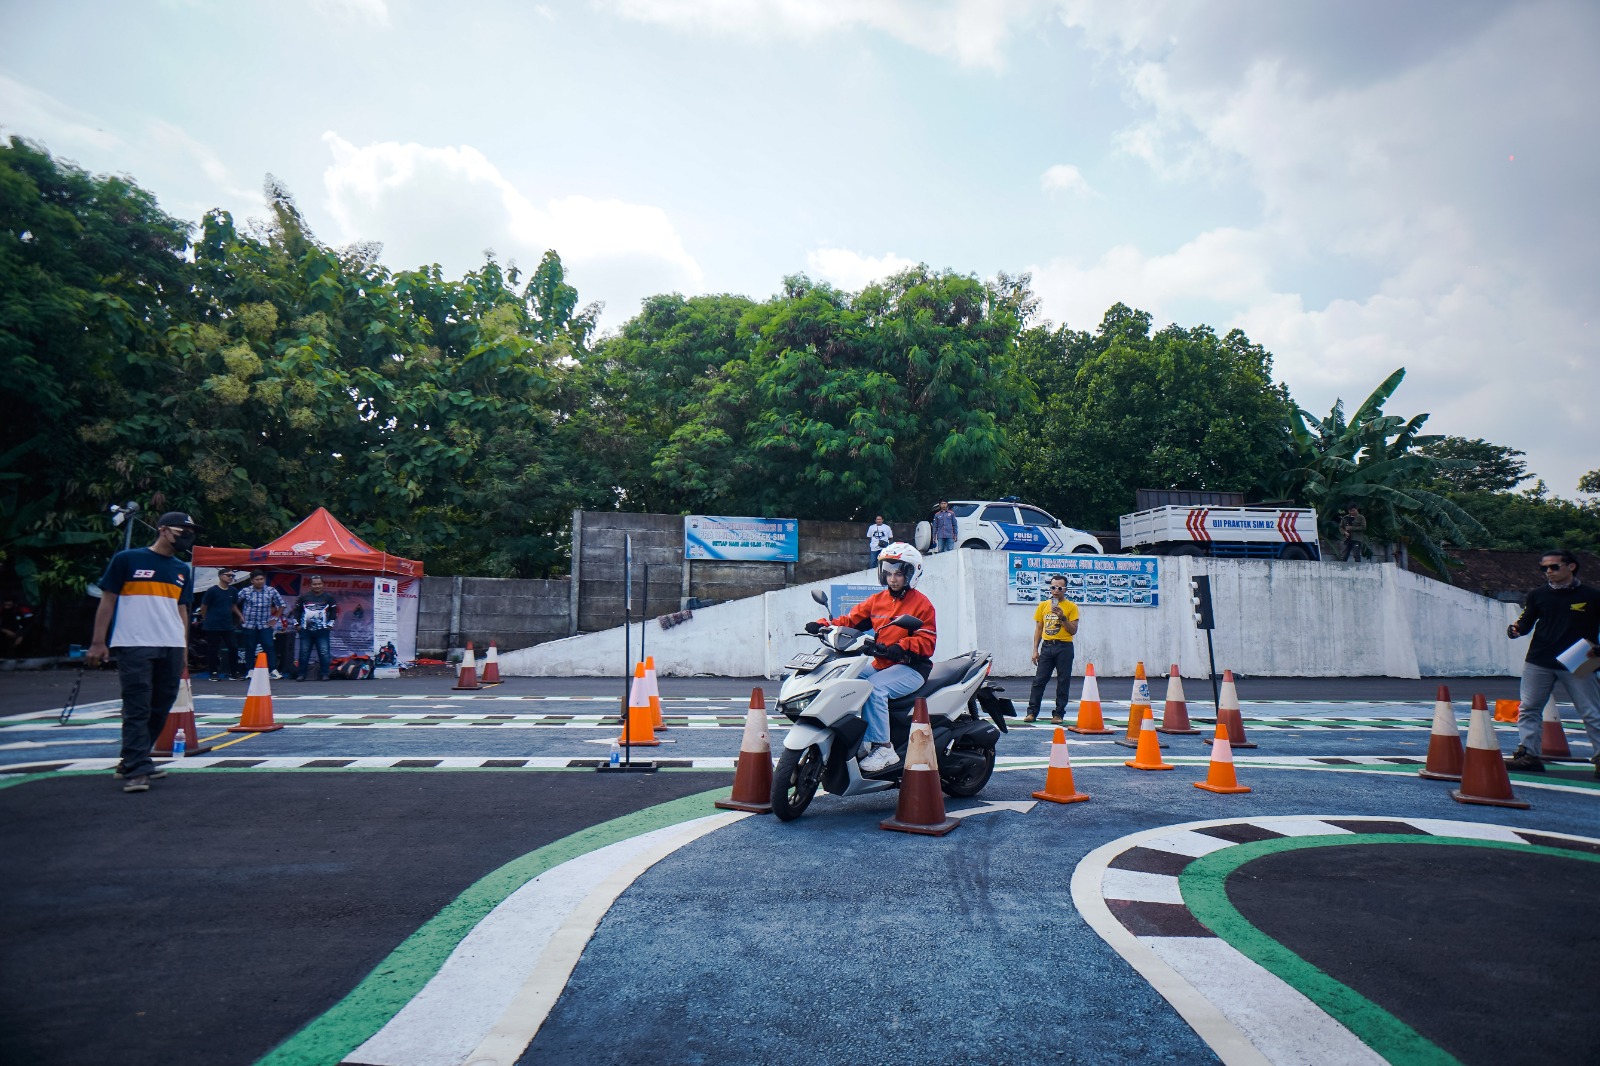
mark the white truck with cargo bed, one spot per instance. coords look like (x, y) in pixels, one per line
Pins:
(1225, 532)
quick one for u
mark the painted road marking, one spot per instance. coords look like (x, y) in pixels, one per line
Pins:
(1019, 806)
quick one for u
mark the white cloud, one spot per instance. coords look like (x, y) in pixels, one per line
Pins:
(853, 271)
(375, 12)
(1064, 177)
(40, 117)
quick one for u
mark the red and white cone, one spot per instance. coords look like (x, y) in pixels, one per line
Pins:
(1444, 742)
(468, 678)
(1058, 786)
(1175, 716)
(1228, 712)
(752, 774)
(921, 806)
(257, 716)
(1552, 738)
(1484, 779)
(1138, 704)
(181, 719)
(491, 666)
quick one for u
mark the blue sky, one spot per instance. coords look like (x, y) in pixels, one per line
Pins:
(1358, 185)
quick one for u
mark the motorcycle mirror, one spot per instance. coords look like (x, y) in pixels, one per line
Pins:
(908, 622)
(820, 596)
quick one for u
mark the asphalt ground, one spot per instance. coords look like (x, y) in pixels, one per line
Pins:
(237, 902)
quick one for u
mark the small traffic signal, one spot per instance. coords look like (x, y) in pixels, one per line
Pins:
(1200, 596)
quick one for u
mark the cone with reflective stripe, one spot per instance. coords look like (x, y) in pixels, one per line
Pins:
(921, 806)
(655, 692)
(1553, 739)
(468, 678)
(1219, 775)
(1148, 757)
(1090, 720)
(1175, 716)
(491, 666)
(638, 726)
(1058, 786)
(1228, 713)
(1138, 703)
(752, 775)
(257, 716)
(181, 719)
(1484, 779)
(1444, 742)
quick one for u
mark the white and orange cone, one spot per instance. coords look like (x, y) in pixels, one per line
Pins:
(921, 805)
(1148, 757)
(1552, 738)
(752, 774)
(491, 666)
(1444, 742)
(181, 719)
(1484, 779)
(655, 692)
(1091, 721)
(1228, 712)
(257, 716)
(468, 678)
(1058, 786)
(1175, 715)
(1219, 775)
(638, 727)
(1138, 703)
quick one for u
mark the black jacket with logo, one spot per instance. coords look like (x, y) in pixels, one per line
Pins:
(1559, 618)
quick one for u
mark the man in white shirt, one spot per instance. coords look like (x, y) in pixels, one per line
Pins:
(879, 537)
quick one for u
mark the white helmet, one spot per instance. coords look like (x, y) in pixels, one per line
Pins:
(903, 557)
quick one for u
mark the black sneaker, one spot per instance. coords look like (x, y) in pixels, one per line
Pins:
(1523, 759)
(154, 775)
(136, 784)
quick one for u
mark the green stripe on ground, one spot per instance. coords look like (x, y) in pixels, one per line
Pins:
(1204, 887)
(353, 1020)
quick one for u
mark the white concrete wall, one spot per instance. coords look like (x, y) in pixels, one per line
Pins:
(1274, 619)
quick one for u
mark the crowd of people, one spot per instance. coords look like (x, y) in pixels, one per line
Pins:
(238, 622)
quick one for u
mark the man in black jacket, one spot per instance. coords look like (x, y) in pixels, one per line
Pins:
(1559, 615)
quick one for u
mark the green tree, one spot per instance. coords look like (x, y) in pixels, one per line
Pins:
(1492, 467)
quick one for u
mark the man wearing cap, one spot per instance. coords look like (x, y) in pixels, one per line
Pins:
(144, 614)
(219, 619)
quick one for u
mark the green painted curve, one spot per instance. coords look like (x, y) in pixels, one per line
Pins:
(1204, 887)
(353, 1020)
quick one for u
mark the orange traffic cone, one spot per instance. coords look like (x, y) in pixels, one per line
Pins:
(637, 726)
(1058, 786)
(1444, 742)
(1228, 711)
(921, 806)
(1483, 772)
(752, 775)
(1138, 703)
(181, 719)
(1553, 740)
(1175, 716)
(468, 678)
(1090, 721)
(655, 692)
(1220, 776)
(1505, 711)
(1148, 757)
(491, 666)
(257, 717)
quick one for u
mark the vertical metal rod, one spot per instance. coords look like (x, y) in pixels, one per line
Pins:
(627, 644)
(644, 612)
(1211, 657)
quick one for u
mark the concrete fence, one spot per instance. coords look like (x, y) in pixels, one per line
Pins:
(514, 612)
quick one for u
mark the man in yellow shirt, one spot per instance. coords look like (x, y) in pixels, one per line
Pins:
(1055, 623)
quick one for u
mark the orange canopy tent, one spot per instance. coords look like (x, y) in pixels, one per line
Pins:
(322, 543)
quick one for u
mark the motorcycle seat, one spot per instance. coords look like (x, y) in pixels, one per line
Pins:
(943, 675)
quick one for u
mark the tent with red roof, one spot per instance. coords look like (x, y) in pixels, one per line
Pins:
(320, 543)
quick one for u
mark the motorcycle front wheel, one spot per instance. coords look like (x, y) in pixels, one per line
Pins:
(969, 781)
(795, 781)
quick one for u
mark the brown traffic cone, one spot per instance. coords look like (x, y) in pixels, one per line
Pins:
(1138, 703)
(1483, 772)
(1228, 712)
(257, 716)
(1505, 711)
(655, 692)
(637, 726)
(1175, 716)
(921, 806)
(1058, 786)
(1444, 742)
(1219, 775)
(181, 719)
(491, 665)
(1148, 757)
(1090, 721)
(468, 678)
(1553, 739)
(752, 775)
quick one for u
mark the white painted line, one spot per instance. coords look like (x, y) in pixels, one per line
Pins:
(1183, 842)
(1472, 830)
(1138, 887)
(1300, 827)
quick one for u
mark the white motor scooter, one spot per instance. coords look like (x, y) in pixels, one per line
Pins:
(825, 696)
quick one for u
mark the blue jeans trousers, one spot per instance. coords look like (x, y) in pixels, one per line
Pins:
(897, 680)
(320, 641)
(259, 638)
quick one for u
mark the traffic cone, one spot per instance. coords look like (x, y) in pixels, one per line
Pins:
(921, 806)
(637, 726)
(1553, 740)
(1219, 775)
(1090, 722)
(257, 717)
(1058, 786)
(1483, 772)
(655, 691)
(491, 666)
(468, 678)
(1228, 712)
(1444, 742)
(1138, 703)
(1175, 716)
(752, 775)
(1148, 757)
(181, 718)
(1505, 711)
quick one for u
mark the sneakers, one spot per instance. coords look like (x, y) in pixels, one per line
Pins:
(275, 675)
(136, 784)
(1523, 759)
(154, 775)
(1056, 719)
(216, 676)
(1031, 716)
(881, 759)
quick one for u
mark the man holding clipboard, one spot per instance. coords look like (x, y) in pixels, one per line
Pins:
(1564, 618)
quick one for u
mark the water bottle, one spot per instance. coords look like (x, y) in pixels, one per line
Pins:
(177, 746)
(616, 754)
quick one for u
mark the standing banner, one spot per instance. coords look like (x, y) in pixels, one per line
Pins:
(386, 627)
(764, 540)
(1092, 580)
(841, 598)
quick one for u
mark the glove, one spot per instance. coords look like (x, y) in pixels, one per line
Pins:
(813, 628)
(893, 652)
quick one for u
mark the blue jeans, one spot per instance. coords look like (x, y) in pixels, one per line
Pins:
(320, 640)
(259, 638)
(946, 544)
(897, 680)
(1538, 683)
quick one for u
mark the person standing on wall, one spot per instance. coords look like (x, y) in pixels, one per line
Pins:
(1055, 623)
(1354, 527)
(879, 537)
(1559, 615)
(314, 614)
(944, 528)
(259, 604)
(144, 613)
(219, 620)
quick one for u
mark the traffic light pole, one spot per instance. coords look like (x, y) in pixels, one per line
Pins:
(1211, 657)
(1205, 618)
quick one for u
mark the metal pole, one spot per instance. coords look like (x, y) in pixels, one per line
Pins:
(627, 644)
(1211, 657)
(644, 612)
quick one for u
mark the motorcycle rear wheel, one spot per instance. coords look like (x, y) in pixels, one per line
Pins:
(972, 781)
(795, 781)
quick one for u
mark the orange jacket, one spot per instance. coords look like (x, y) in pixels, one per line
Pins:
(876, 611)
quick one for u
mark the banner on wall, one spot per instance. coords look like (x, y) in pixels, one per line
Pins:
(841, 598)
(1092, 580)
(764, 540)
(355, 630)
(386, 627)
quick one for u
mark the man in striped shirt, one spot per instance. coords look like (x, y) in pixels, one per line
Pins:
(144, 608)
(260, 603)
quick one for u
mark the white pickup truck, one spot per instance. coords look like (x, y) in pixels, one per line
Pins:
(1229, 532)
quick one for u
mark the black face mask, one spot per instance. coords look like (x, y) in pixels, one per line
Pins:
(184, 541)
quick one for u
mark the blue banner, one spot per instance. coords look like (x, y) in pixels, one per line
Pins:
(763, 540)
(1092, 580)
(843, 597)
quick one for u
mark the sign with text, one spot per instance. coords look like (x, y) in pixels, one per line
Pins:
(841, 598)
(763, 540)
(1092, 580)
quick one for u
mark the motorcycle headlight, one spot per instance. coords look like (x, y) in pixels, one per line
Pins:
(792, 709)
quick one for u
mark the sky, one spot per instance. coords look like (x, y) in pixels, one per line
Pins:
(1359, 185)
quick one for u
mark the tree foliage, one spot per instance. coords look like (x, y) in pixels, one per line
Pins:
(1491, 467)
